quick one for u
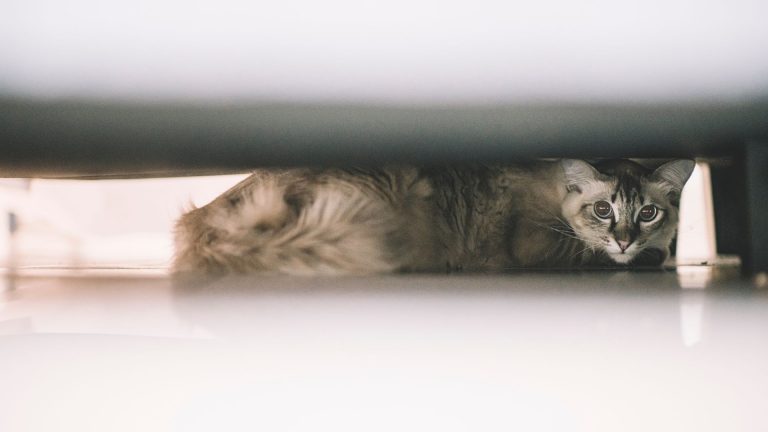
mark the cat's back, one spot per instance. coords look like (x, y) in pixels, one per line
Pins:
(312, 221)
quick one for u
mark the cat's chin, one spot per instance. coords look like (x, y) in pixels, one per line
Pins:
(621, 258)
(647, 257)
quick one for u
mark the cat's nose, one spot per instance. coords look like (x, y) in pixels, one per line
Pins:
(623, 244)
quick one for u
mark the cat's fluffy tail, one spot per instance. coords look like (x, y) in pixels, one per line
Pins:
(253, 227)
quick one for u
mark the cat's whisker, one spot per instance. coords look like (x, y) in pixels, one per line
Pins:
(579, 252)
(555, 229)
(559, 219)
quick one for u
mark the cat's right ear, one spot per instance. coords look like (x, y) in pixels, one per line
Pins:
(577, 174)
(673, 175)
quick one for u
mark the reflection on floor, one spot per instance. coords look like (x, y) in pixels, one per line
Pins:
(680, 349)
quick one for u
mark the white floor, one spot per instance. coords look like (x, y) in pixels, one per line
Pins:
(593, 351)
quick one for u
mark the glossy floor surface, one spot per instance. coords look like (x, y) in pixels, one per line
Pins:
(683, 350)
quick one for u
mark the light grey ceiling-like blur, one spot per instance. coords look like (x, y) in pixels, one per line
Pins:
(385, 52)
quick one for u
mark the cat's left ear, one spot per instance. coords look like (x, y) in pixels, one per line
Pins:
(673, 175)
(578, 173)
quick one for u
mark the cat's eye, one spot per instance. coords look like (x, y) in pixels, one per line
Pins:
(603, 209)
(648, 213)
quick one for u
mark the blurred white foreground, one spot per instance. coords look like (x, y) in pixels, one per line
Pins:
(536, 352)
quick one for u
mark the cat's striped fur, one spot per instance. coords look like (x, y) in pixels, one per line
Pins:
(473, 218)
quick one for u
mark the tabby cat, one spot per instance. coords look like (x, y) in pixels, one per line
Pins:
(555, 214)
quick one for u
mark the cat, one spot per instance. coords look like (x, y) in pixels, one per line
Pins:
(325, 221)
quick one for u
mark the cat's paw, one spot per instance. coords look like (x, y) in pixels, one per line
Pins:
(650, 257)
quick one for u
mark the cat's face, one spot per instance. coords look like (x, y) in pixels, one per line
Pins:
(623, 210)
